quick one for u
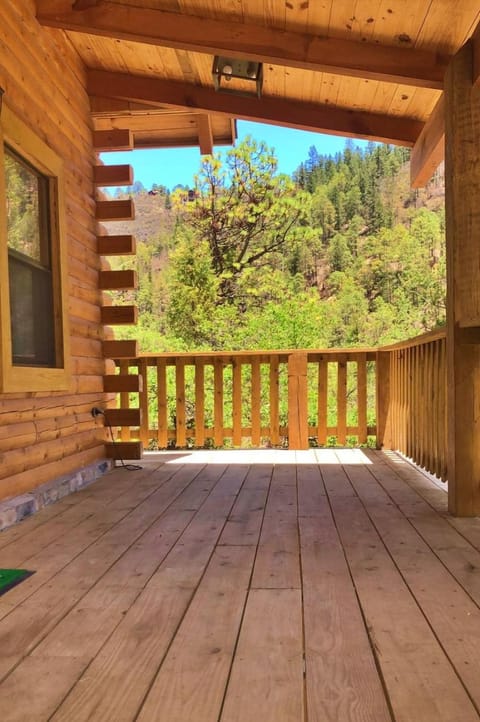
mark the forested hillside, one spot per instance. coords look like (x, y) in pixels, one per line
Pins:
(341, 254)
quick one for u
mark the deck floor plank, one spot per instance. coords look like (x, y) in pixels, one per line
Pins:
(266, 682)
(192, 679)
(414, 666)
(115, 684)
(451, 613)
(341, 675)
(322, 586)
(277, 563)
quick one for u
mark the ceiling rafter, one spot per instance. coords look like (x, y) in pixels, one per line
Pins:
(409, 66)
(205, 133)
(429, 150)
(289, 113)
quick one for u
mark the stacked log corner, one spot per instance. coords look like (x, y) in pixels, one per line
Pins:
(115, 210)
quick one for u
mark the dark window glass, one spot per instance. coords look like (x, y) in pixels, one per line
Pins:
(29, 264)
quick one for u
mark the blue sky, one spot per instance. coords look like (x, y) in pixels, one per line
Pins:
(171, 166)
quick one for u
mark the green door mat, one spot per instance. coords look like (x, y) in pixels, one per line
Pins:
(10, 577)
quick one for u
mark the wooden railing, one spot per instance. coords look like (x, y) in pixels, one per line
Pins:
(415, 423)
(396, 394)
(254, 398)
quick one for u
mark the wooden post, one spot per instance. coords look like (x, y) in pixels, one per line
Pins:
(297, 401)
(462, 203)
(382, 375)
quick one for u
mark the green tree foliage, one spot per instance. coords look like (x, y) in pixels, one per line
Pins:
(342, 254)
(247, 214)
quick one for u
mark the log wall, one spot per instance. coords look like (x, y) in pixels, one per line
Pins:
(47, 435)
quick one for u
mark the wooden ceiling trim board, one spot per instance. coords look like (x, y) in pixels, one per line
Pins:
(429, 150)
(305, 116)
(345, 57)
(205, 133)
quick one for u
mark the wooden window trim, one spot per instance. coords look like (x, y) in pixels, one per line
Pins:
(28, 145)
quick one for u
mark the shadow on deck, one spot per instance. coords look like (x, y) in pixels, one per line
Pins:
(239, 586)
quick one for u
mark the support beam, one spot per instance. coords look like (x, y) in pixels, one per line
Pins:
(120, 349)
(410, 66)
(112, 140)
(115, 210)
(113, 175)
(117, 280)
(306, 116)
(462, 191)
(116, 245)
(205, 133)
(429, 150)
(119, 315)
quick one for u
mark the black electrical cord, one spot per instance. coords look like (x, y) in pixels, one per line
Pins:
(129, 467)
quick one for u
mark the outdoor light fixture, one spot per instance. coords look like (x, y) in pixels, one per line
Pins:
(228, 68)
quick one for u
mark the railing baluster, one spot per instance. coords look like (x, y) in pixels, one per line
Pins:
(123, 365)
(180, 427)
(443, 372)
(322, 402)
(143, 397)
(342, 402)
(362, 398)
(237, 402)
(162, 403)
(218, 435)
(256, 402)
(274, 401)
(199, 402)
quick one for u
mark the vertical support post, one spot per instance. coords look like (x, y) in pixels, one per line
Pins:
(462, 193)
(382, 377)
(297, 401)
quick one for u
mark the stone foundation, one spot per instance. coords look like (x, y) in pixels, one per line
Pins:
(17, 508)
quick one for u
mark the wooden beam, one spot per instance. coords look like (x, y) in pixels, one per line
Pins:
(121, 383)
(115, 210)
(112, 140)
(462, 190)
(122, 417)
(117, 280)
(306, 116)
(205, 133)
(120, 349)
(409, 66)
(113, 175)
(429, 150)
(116, 245)
(119, 315)
(124, 450)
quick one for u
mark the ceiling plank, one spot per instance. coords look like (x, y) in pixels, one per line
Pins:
(205, 133)
(408, 66)
(305, 116)
(429, 150)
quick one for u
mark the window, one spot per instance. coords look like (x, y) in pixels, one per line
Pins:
(33, 330)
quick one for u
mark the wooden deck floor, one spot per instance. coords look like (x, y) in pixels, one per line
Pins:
(241, 586)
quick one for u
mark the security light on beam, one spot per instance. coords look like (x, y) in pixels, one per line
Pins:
(228, 69)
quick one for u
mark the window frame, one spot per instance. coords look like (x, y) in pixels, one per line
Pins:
(16, 378)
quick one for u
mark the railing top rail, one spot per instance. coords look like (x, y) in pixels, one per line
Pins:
(247, 356)
(428, 337)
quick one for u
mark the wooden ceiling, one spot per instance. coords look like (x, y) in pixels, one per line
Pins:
(371, 69)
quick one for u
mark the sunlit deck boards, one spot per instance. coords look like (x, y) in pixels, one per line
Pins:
(319, 586)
